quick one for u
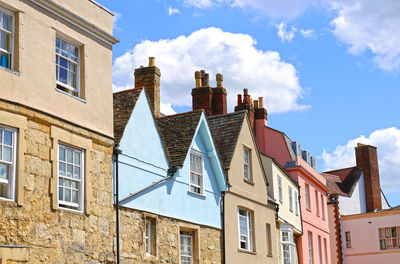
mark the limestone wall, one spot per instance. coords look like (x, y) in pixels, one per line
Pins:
(208, 241)
(55, 235)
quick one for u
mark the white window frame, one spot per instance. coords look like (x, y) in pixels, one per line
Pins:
(12, 164)
(201, 176)
(289, 244)
(246, 164)
(78, 69)
(81, 182)
(247, 215)
(296, 196)
(189, 236)
(12, 36)
(280, 190)
(148, 237)
(290, 199)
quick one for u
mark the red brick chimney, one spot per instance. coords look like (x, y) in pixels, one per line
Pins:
(260, 113)
(211, 100)
(219, 97)
(149, 78)
(246, 104)
(367, 159)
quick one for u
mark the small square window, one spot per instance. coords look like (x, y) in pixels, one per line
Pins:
(67, 67)
(70, 177)
(6, 38)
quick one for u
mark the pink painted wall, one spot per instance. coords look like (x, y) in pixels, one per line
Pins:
(365, 238)
(272, 143)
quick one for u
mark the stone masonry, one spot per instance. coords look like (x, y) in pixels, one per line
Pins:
(132, 232)
(57, 235)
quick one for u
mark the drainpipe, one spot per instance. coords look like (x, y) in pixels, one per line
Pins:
(116, 154)
(223, 226)
(302, 230)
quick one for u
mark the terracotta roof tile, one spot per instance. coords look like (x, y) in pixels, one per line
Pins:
(123, 103)
(225, 130)
(177, 132)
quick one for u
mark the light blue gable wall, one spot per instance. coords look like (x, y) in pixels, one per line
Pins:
(143, 161)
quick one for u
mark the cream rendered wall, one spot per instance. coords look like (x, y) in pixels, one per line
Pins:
(251, 196)
(34, 82)
(355, 204)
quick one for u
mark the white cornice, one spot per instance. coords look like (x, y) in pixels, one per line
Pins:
(76, 21)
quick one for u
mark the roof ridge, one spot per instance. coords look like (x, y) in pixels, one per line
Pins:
(179, 114)
(128, 90)
(227, 114)
(330, 171)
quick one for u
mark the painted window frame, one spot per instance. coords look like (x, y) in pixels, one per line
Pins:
(65, 87)
(249, 242)
(189, 235)
(148, 239)
(11, 34)
(307, 195)
(389, 238)
(317, 203)
(290, 198)
(280, 189)
(347, 236)
(247, 174)
(62, 204)
(296, 196)
(150, 235)
(310, 248)
(11, 164)
(193, 185)
(287, 245)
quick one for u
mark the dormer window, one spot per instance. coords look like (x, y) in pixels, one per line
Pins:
(67, 67)
(196, 172)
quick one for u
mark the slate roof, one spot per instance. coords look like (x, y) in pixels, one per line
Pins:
(123, 103)
(289, 146)
(177, 132)
(225, 130)
(342, 181)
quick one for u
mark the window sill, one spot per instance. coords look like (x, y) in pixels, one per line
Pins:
(7, 200)
(308, 210)
(269, 255)
(10, 71)
(247, 251)
(70, 210)
(148, 256)
(248, 182)
(75, 97)
(197, 194)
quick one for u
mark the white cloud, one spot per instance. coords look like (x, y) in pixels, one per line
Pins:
(167, 109)
(234, 55)
(308, 33)
(198, 3)
(370, 26)
(117, 17)
(172, 11)
(285, 35)
(282, 9)
(388, 143)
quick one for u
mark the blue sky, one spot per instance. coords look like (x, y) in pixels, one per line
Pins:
(328, 70)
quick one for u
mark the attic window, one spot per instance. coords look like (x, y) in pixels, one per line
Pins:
(196, 172)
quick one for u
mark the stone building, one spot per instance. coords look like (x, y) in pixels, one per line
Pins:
(56, 136)
(170, 179)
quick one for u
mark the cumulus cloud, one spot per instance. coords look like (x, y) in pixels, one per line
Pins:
(370, 26)
(199, 3)
(172, 11)
(284, 34)
(308, 33)
(388, 143)
(234, 55)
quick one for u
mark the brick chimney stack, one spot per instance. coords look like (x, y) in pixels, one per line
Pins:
(367, 159)
(260, 113)
(149, 78)
(211, 100)
(246, 104)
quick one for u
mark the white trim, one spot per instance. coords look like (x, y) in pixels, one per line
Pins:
(249, 226)
(200, 154)
(12, 36)
(13, 163)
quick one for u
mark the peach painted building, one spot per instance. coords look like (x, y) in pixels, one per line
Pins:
(371, 238)
(314, 244)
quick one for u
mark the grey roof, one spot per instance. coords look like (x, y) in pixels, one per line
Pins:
(290, 147)
(225, 130)
(123, 103)
(177, 132)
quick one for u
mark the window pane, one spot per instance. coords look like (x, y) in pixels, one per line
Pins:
(1, 136)
(69, 156)
(72, 79)
(63, 63)
(67, 196)
(381, 232)
(67, 183)
(7, 138)
(394, 232)
(6, 22)
(60, 193)
(3, 40)
(4, 172)
(61, 154)
(64, 48)
(63, 75)
(58, 45)
(69, 170)
(75, 196)
(77, 173)
(61, 169)
(383, 244)
(77, 158)
(74, 185)
(7, 154)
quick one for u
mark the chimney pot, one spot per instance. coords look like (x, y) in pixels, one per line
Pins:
(206, 79)
(197, 77)
(152, 61)
(255, 103)
(245, 91)
(261, 102)
(203, 73)
(220, 79)
(239, 102)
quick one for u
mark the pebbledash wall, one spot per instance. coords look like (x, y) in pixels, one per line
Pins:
(34, 226)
